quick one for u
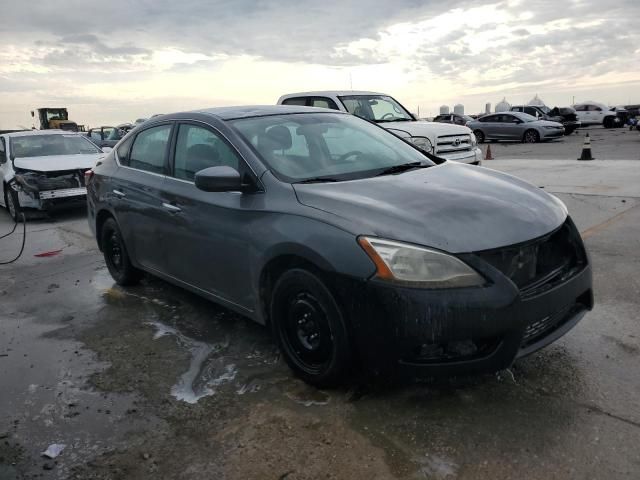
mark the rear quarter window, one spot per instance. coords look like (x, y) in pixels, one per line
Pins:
(123, 151)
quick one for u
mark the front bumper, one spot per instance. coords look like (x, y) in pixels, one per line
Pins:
(472, 157)
(417, 333)
(555, 133)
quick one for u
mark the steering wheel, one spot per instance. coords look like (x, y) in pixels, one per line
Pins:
(352, 153)
(388, 114)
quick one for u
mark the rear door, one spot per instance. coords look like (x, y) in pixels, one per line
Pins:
(136, 194)
(207, 234)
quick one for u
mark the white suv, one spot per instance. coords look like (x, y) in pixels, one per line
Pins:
(595, 113)
(452, 142)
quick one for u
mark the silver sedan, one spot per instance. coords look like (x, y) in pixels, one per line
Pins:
(515, 126)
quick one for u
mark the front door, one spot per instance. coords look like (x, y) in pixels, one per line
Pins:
(207, 234)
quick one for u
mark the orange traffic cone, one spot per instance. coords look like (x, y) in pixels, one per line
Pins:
(488, 155)
(586, 149)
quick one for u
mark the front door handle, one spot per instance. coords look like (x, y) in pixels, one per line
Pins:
(119, 194)
(171, 208)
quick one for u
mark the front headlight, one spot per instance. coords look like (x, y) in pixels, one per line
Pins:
(418, 266)
(474, 140)
(423, 143)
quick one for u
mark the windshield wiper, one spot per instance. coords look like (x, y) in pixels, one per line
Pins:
(394, 120)
(319, 180)
(401, 168)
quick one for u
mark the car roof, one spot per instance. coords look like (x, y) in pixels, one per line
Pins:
(337, 93)
(248, 111)
(35, 133)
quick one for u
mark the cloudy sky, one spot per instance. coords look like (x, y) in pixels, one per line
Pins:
(115, 61)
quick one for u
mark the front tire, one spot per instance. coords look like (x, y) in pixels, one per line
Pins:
(479, 136)
(310, 330)
(608, 122)
(531, 136)
(12, 202)
(116, 256)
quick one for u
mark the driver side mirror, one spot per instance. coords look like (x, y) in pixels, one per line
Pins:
(414, 116)
(218, 179)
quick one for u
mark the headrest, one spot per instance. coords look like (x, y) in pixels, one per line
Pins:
(278, 136)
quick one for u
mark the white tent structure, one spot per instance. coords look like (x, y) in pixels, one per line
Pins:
(458, 109)
(503, 106)
(536, 102)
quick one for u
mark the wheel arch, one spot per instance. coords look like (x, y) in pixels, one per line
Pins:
(102, 216)
(281, 262)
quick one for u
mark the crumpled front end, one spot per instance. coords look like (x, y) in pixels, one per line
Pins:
(47, 190)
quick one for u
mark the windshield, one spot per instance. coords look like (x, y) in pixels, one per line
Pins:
(544, 109)
(111, 133)
(45, 145)
(377, 108)
(325, 146)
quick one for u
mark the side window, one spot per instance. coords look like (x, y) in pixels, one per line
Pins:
(300, 101)
(594, 108)
(95, 134)
(488, 119)
(531, 111)
(198, 148)
(459, 121)
(581, 108)
(3, 151)
(150, 149)
(323, 102)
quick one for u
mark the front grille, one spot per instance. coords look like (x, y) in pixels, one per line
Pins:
(453, 144)
(540, 264)
(541, 328)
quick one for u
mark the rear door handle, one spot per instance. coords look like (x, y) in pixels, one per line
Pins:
(119, 194)
(171, 208)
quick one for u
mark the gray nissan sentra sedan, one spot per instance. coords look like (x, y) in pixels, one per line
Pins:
(360, 251)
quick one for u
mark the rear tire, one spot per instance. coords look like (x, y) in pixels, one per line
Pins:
(479, 136)
(310, 330)
(116, 256)
(608, 122)
(12, 202)
(531, 136)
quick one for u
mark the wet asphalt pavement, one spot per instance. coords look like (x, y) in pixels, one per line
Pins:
(154, 382)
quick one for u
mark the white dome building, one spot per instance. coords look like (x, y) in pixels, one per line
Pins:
(444, 110)
(458, 109)
(536, 102)
(503, 106)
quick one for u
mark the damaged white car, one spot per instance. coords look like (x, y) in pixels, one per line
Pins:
(44, 170)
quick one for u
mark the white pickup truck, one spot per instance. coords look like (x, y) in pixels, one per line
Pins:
(452, 142)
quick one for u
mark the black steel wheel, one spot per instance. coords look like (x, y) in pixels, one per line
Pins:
(479, 136)
(309, 328)
(531, 136)
(116, 256)
(12, 202)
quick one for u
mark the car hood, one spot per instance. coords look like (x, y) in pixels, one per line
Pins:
(453, 207)
(53, 163)
(426, 129)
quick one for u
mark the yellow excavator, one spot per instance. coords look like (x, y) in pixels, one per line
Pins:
(57, 118)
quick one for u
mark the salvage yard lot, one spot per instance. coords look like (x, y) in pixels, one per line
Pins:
(153, 382)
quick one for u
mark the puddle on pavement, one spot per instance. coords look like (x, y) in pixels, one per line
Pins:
(207, 369)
